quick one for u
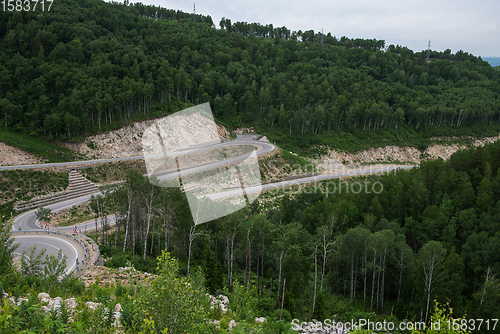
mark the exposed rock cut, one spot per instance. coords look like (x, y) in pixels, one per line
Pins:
(12, 156)
(389, 154)
(127, 141)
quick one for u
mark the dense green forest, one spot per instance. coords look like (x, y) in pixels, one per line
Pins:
(88, 65)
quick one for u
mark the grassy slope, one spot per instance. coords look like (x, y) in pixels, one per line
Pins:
(38, 146)
(18, 185)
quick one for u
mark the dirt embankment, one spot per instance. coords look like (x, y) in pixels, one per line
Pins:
(124, 276)
(127, 141)
(406, 154)
(12, 156)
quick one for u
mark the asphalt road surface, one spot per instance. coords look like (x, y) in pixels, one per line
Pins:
(311, 179)
(28, 222)
(263, 148)
(52, 243)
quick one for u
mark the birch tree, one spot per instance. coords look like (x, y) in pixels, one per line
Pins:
(489, 290)
(430, 258)
(404, 259)
(327, 245)
(192, 236)
(351, 248)
(315, 278)
(231, 229)
(149, 192)
(249, 226)
(285, 236)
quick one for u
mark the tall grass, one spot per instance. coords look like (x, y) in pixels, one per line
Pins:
(40, 147)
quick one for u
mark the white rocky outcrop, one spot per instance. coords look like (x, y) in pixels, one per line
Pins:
(127, 141)
(44, 297)
(392, 153)
(232, 324)
(92, 306)
(219, 301)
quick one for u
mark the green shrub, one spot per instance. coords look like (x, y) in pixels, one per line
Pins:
(264, 306)
(30, 318)
(286, 316)
(172, 302)
(120, 291)
(277, 327)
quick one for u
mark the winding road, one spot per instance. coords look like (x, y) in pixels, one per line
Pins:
(27, 231)
(27, 222)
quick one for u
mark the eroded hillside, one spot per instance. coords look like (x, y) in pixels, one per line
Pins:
(11, 156)
(127, 141)
(406, 154)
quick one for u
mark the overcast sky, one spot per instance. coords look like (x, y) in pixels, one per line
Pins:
(465, 25)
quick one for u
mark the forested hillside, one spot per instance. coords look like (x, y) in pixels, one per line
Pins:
(419, 235)
(87, 66)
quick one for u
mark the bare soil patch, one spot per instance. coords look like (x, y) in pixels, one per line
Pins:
(127, 141)
(396, 154)
(12, 156)
(106, 276)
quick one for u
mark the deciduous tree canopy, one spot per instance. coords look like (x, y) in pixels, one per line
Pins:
(88, 65)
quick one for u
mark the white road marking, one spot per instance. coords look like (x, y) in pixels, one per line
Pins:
(43, 243)
(38, 243)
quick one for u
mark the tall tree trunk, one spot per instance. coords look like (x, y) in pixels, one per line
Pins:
(279, 275)
(133, 234)
(152, 240)
(272, 277)
(262, 270)
(352, 278)
(378, 281)
(315, 280)
(383, 282)
(373, 278)
(149, 213)
(192, 236)
(365, 274)
(127, 222)
(283, 299)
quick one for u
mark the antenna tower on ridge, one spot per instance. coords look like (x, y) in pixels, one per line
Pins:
(194, 11)
(429, 51)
